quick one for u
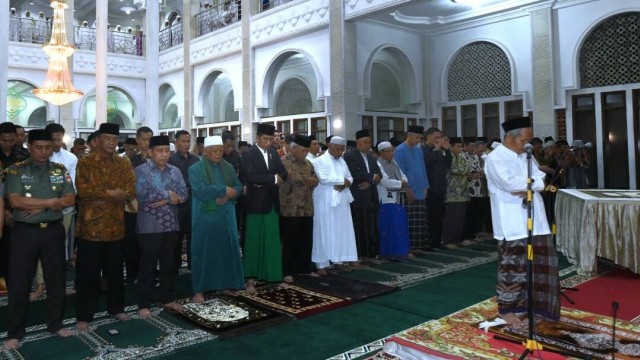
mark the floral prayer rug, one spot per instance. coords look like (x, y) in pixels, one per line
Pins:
(228, 316)
(294, 300)
(457, 336)
(343, 287)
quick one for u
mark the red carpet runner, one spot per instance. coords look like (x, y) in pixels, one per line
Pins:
(596, 295)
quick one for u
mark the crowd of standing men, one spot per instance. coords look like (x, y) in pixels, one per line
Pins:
(268, 212)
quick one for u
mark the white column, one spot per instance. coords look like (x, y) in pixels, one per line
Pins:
(248, 92)
(102, 10)
(152, 53)
(4, 60)
(544, 118)
(66, 111)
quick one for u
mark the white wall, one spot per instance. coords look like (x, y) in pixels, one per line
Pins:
(314, 45)
(512, 35)
(573, 24)
(231, 66)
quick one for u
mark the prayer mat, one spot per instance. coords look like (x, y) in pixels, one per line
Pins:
(294, 300)
(457, 336)
(343, 287)
(228, 316)
(137, 338)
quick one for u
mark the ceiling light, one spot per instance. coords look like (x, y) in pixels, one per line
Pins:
(128, 9)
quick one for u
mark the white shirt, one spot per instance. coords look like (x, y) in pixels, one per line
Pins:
(389, 186)
(506, 174)
(311, 157)
(70, 162)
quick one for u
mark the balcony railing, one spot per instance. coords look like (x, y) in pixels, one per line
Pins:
(270, 4)
(118, 42)
(170, 36)
(217, 17)
(29, 30)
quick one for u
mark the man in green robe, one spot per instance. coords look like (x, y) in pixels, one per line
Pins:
(216, 264)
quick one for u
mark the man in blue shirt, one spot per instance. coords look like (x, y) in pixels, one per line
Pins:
(410, 158)
(159, 189)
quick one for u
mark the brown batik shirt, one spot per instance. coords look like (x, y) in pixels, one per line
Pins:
(295, 194)
(100, 216)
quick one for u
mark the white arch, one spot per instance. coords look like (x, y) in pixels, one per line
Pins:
(277, 91)
(272, 71)
(207, 81)
(48, 106)
(408, 80)
(585, 34)
(92, 91)
(445, 73)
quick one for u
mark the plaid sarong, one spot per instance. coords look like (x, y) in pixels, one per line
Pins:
(512, 277)
(417, 220)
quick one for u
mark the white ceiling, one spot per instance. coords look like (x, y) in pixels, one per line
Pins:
(416, 15)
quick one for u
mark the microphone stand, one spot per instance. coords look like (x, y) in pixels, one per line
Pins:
(531, 344)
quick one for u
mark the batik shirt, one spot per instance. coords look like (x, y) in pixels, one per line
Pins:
(295, 196)
(475, 185)
(457, 181)
(153, 185)
(100, 216)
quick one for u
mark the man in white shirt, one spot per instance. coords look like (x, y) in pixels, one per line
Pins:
(314, 149)
(70, 161)
(506, 171)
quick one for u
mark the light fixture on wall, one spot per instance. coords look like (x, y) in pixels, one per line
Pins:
(128, 9)
(57, 87)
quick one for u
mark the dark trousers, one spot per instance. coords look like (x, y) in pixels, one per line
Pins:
(157, 247)
(5, 242)
(365, 225)
(28, 243)
(184, 219)
(131, 247)
(95, 257)
(297, 241)
(454, 218)
(473, 221)
(435, 217)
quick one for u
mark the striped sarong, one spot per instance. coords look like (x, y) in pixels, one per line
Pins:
(512, 277)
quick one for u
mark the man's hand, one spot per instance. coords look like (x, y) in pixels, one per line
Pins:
(410, 196)
(158, 203)
(364, 185)
(445, 143)
(231, 193)
(56, 204)
(520, 194)
(174, 199)
(222, 200)
(279, 180)
(30, 213)
(311, 182)
(8, 218)
(546, 169)
(377, 178)
(347, 183)
(405, 184)
(117, 194)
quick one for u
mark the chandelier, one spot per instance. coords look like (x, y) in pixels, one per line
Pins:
(57, 87)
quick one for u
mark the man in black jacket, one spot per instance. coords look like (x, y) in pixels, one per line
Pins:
(262, 172)
(364, 208)
(437, 159)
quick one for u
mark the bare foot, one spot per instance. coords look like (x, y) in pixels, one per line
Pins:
(468, 243)
(69, 291)
(511, 318)
(450, 246)
(288, 279)
(197, 298)
(284, 285)
(411, 256)
(122, 316)
(82, 325)
(173, 306)
(356, 265)
(11, 344)
(144, 313)
(251, 286)
(322, 272)
(313, 274)
(230, 292)
(37, 293)
(64, 332)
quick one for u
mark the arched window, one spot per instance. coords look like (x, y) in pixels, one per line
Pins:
(610, 55)
(168, 108)
(218, 99)
(293, 97)
(386, 93)
(479, 70)
(120, 109)
(23, 108)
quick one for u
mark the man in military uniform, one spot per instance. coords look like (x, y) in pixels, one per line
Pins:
(37, 190)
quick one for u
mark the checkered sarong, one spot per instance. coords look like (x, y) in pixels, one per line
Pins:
(417, 220)
(512, 277)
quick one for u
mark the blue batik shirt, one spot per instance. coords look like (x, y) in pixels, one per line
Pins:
(152, 185)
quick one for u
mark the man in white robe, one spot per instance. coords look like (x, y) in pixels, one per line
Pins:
(506, 171)
(334, 239)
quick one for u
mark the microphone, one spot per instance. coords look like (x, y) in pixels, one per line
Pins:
(614, 306)
(580, 147)
(528, 148)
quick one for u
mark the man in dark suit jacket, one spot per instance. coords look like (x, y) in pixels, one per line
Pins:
(364, 208)
(262, 172)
